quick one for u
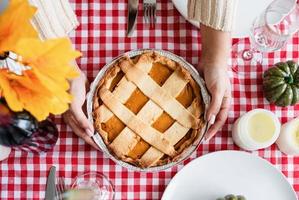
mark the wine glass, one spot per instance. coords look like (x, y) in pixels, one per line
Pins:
(97, 183)
(270, 31)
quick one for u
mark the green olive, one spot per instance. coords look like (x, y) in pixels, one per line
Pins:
(241, 197)
(230, 197)
(220, 199)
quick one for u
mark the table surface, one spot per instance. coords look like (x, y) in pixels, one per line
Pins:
(101, 37)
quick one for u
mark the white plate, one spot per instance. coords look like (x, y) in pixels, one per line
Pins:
(229, 172)
(247, 11)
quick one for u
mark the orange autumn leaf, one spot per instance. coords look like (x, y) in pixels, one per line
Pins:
(43, 89)
(50, 58)
(15, 24)
(10, 96)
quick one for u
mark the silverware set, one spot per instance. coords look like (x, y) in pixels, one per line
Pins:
(55, 187)
(149, 14)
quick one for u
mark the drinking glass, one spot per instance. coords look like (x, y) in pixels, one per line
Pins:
(270, 30)
(98, 183)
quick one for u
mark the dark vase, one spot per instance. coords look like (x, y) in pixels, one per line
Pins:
(22, 131)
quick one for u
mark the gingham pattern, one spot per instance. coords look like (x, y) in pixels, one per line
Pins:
(101, 37)
(288, 24)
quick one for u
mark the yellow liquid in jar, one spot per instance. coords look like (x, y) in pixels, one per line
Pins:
(261, 127)
(296, 134)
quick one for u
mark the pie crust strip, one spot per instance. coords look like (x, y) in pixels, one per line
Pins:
(157, 94)
(124, 143)
(174, 134)
(146, 132)
(150, 112)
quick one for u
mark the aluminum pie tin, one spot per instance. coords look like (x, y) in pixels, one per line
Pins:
(195, 75)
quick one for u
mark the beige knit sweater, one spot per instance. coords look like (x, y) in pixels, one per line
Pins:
(218, 14)
(55, 18)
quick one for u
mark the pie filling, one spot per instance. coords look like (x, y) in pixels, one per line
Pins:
(114, 126)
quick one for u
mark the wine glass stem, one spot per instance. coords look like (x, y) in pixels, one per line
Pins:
(248, 54)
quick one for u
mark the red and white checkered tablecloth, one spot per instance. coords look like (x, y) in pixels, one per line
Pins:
(101, 37)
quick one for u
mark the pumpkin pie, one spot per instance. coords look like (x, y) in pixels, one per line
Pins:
(148, 110)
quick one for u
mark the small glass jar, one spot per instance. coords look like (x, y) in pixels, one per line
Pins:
(288, 141)
(256, 129)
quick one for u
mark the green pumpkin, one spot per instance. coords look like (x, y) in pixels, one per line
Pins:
(281, 83)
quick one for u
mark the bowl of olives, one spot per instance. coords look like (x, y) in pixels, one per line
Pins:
(232, 197)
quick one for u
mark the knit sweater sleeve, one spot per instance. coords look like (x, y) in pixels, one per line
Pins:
(54, 18)
(218, 14)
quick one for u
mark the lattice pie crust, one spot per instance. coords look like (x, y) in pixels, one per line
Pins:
(148, 110)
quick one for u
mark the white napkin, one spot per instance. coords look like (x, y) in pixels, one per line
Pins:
(54, 18)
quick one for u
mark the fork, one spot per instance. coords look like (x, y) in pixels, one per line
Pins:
(150, 12)
(60, 188)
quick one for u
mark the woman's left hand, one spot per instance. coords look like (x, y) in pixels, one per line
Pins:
(218, 84)
(213, 64)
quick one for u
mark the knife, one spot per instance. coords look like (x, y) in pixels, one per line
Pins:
(132, 16)
(50, 188)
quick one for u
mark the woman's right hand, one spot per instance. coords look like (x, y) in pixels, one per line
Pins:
(75, 117)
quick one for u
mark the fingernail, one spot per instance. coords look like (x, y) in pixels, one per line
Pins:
(212, 119)
(89, 132)
(210, 123)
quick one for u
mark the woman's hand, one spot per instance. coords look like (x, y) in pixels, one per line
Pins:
(218, 84)
(75, 117)
(213, 64)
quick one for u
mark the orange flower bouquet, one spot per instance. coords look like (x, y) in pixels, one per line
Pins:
(34, 74)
